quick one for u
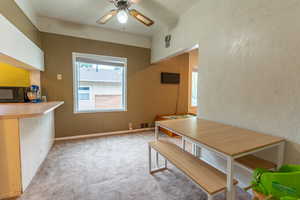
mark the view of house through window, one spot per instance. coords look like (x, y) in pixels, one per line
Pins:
(194, 88)
(100, 83)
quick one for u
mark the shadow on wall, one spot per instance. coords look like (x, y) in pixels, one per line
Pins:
(292, 153)
(164, 97)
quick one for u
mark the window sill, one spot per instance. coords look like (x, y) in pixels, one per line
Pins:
(100, 111)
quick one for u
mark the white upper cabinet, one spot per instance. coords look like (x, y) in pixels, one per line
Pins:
(18, 50)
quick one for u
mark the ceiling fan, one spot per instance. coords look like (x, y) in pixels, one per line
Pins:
(122, 10)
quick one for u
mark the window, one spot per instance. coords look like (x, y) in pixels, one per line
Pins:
(194, 89)
(99, 83)
(84, 93)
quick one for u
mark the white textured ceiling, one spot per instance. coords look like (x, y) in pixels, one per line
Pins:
(164, 12)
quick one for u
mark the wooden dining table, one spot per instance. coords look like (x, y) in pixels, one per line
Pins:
(228, 141)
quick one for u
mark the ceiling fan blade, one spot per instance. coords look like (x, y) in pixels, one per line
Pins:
(140, 17)
(135, 1)
(107, 17)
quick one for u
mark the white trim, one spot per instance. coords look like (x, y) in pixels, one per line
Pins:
(122, 61)
(103, 134)
(100, 111)
(102, 58)
(112, 81)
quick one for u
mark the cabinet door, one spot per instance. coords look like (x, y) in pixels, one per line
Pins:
(10, 170)
(17, 49)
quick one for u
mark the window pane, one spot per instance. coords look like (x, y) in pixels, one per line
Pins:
(100, 86)
(84, 96)
(194, 88)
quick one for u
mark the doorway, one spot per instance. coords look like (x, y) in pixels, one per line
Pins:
(193, 81)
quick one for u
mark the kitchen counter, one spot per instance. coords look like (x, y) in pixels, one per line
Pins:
(27, 110)
(27, 132)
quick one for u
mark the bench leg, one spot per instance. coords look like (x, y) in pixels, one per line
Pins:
(209, 197)
(157, 169)
(233, 192)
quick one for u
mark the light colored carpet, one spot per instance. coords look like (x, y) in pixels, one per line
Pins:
(109, 168)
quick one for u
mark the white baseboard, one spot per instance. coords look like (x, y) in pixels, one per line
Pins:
(103, 134)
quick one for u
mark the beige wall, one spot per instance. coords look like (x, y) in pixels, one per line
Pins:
(10, 10)
(146, 96)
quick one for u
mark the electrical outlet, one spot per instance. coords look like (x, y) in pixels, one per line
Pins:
(59, 77)
(130, 126)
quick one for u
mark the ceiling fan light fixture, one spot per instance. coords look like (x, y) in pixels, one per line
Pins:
(122, 11)
(122, 16)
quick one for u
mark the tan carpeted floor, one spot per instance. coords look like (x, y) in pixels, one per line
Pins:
(109, 168)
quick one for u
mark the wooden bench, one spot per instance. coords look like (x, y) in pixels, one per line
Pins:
(210, 180)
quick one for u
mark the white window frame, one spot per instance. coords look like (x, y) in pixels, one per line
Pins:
(76, 85)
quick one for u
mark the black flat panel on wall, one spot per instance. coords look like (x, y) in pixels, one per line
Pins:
(170, 78)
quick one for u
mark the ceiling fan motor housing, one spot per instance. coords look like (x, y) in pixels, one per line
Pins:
(122, 4)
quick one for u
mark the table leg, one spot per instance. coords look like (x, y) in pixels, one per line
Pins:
(280, 155)
(230, 193)
(198, 152)
(183, 142)
(194, 148)
(156, 138)
(150, 161)
(156, 132)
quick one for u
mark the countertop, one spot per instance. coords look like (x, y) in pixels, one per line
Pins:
(27, 110)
